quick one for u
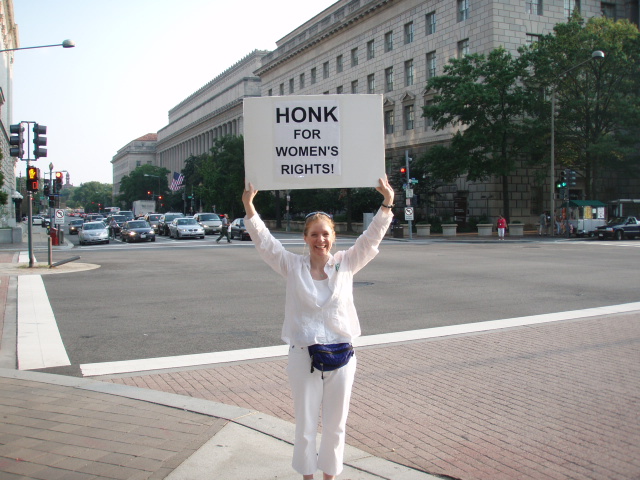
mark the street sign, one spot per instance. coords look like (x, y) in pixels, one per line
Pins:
(409, 192)
(59, 217)
(408, 213)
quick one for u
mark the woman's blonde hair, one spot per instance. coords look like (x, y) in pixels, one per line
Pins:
(318, 217)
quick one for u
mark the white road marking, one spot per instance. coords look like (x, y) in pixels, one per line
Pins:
(39, 341)
(181, 361)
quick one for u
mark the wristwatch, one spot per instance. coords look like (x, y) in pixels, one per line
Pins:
(388, 206)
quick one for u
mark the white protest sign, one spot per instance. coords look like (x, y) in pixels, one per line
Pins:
(313, 141)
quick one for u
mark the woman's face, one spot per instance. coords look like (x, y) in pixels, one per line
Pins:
(320, 237)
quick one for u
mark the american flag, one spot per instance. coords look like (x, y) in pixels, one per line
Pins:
(176, 182)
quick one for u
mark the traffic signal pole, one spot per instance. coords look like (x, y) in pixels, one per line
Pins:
(406, 163)
(29, 222)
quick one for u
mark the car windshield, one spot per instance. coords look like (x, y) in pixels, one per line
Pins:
(209, 216)
(138, 224)
(616, 221)
(186, 221)
(76, 222)
(119, 218)
(154, 218)
(168, 218)
(94, 226)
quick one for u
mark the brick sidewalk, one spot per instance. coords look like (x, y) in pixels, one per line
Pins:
(551, 401)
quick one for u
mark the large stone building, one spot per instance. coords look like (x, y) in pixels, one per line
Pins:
(388, 47)
(141, 151)
(8, 40)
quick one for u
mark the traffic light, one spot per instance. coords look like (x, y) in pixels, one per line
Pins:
(52, 201)
(16, 140)
(403, 170)
(58, 187)
(45, 188)
(39, 141)
(571, 178)
(563, 179)
(33, 174)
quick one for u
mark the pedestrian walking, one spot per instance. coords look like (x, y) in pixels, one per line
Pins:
(502, 227)
(224, 228)
(320, 318)
(542, 228)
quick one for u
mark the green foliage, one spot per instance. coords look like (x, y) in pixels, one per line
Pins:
(484, 100)
(145, 178)
(597, 102)
(90, 196)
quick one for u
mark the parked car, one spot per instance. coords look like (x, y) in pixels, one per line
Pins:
(153, 219)
(165, 220)
(137, 231)
(37, 220)
(185, 227)
(237, 229)
(619, 228)
(210, 222)
(75, 226)
(93, 232)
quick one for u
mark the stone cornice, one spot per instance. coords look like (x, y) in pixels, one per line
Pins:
(319, 32)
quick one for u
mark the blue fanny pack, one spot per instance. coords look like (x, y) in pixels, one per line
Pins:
(330, 357)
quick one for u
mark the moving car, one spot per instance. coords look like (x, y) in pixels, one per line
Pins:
(210, 222)
(120, 220)
(237, 229)
(165, 220)
(93, 232)
(619, 228)
(185, 227)
(137, 231)
(75, 226)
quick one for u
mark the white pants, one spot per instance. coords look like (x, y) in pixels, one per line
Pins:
(501, 232)
(310, 392)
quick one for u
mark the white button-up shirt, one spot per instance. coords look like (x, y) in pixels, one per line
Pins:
(306, 322)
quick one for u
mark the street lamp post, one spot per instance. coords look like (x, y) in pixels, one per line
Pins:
(64, 44)
(596, 55)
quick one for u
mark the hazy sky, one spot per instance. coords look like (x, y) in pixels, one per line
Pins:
(134, 60)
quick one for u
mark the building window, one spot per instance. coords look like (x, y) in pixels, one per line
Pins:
(431, 65)
(431, 23)
(388, 41)
(408, 33)
(428, 121)
(532, 38)
(371, 83)
(463, 10)
(371, 50)
(571, 6)
(325, 70)
(463, 48)
(291, 89)
(271, 92)
(408, 117)
(301, 81)
(388, 122)
(313, 76)
(354, 57)
(339, 89)
(281, 89)
(388, 79)
(339, 64)
(533, 7)
(408, 73)
(608, 10)
(354, 86)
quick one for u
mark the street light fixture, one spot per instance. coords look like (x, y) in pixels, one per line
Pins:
(596, 55)
(65, 44)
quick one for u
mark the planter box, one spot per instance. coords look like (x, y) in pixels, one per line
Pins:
(423, 230)
(11, 235)
(485, 229)
(449, 229)
(516, 229)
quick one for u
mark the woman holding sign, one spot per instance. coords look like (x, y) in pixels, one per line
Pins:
(319, 324)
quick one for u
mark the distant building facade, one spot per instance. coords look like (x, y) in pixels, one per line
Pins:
(141, 151)
(8, 39)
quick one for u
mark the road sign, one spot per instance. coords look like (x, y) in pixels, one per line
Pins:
(409, 192)
(408, 213)
(59, 217)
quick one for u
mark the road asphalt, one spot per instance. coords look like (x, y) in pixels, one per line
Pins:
(553, 399)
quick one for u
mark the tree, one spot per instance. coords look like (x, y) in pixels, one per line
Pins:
(486, 103)
(597, 102)
(145, 178)
(91, 196)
